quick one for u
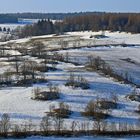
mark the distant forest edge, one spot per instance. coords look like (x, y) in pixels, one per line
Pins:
(13, 17)
(128, 22)
(95, 21)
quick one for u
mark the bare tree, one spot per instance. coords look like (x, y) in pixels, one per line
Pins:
(58, 123)
(16, 130)
(38, 48)
(45, 124)
(17, 64)
(5, 124)
(64, 44)
(73, 126)
(67, 57)
(31, 66)
(97, 125)
(28, 68)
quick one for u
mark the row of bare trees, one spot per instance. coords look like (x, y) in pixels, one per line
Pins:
(55, 125)
(98, 64)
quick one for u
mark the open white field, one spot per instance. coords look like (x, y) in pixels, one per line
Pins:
(18, 104)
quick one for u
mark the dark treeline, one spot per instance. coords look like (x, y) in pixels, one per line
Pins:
(13, 17)
(7, 18)
(128, 22)
(55, 16)
(43, 27)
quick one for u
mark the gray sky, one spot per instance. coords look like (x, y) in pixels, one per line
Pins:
(7, 6)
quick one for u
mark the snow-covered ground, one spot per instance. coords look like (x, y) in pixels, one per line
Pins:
(17, 102)
(115, 56)
(83, 38)
(119, 37)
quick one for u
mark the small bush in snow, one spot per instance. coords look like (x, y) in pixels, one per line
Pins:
(105, 104)
(52, 94)
(77, 82)
(94, 111)
(62, 111)
(134, 96)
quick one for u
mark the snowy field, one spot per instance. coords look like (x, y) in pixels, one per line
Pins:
(122, 59)
(120, 37)
(17, 102)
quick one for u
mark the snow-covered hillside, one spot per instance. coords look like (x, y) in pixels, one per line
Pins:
(121, 51)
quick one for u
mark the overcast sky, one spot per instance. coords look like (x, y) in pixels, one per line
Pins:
(13, 6)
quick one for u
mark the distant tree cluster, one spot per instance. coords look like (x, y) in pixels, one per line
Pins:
(43, 27)
(4, 29)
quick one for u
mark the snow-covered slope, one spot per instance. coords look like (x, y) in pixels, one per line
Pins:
(17, 102)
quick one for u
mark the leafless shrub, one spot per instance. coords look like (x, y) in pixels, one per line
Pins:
(5, 124)
(52, 94)
(93, 110)
(77, 82)
(45, 124)
(62, 111)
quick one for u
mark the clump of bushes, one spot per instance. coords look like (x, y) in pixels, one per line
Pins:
(99, 109)
(100, 36)
(94, 63)
(76, 82)
(138, 109)
(43, 68)
(30, 81)
(92, 110)
(63, 111)
(106, 104)
(134, 96)
(52, 94)
(6, 79)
